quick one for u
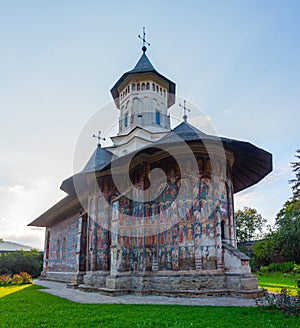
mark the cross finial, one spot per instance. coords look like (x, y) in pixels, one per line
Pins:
(144, 48)
(99, 138)
(184, 111)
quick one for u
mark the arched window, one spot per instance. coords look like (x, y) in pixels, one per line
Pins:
(160, 90)
(58, 250)
(138, 86)
(128, 89)
(164, 92)
(64, 250)
(133, 87)
(153, 87)
(157, 88)
(143, 86)
(147, 86)
(126, 120)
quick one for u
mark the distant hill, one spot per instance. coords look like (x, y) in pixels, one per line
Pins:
(9, 246)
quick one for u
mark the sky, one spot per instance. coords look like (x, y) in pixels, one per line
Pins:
(237, 61)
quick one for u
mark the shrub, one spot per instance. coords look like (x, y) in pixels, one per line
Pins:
(296, 268)
(16, 279)
(5, 280)
(26, 278)
(264, 269)
(281, 267)
(287, 267)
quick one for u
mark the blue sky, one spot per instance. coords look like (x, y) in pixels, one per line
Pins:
(236, 60)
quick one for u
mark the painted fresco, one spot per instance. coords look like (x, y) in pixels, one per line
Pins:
(64, 232)
(168, 233)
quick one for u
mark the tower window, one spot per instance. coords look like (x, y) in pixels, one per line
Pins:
(147, 86)
(138, 86)
(157, 117)
(143, 86)
(157, 88)
(133, 87)
(126, 120)
(164, 93)
(153, 87)
(160, 89)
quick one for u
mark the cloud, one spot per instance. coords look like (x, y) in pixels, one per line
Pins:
(16, 188)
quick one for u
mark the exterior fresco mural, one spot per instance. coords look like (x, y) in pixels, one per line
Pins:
(168, 235)
(63, 245)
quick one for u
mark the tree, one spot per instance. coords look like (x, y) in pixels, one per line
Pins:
(14, 262)
(296, 181)
(288, 230)
(249, 224)
(283, 243)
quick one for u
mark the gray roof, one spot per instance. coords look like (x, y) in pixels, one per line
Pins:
(143, 65)
(100, 158)
(251, 164)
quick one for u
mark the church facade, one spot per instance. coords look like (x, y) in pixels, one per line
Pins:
(154, 213)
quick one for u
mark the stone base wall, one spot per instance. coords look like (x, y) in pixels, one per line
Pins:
(95, 279)
(183, 285)
(68, 277)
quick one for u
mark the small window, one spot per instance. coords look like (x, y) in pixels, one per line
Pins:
(153, 87)
(126, 120)
(157, 118)
(64, 250)
(58, 250)
(133, 87)
(138, 86)
(143, 86)
(164, 93)
(160, 89)
(147, 86)
(157, 88)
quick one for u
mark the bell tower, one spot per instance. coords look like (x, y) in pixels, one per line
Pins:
(142, 96)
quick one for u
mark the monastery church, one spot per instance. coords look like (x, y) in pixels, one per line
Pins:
(153, 214)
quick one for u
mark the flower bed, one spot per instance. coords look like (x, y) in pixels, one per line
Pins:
(16, 279)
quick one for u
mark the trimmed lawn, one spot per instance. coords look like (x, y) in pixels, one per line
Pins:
(274, 282)
(31, 308)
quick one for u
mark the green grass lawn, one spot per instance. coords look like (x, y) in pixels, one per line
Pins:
(274, 282)
(29, 307)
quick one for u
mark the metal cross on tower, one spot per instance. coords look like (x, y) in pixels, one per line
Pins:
(99, 138)
(184, 111)
(144, 48)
